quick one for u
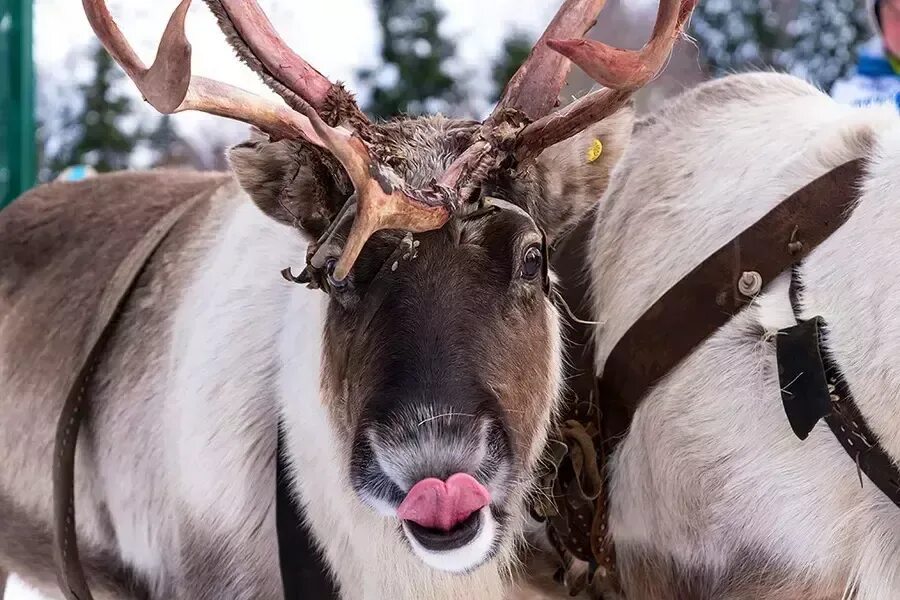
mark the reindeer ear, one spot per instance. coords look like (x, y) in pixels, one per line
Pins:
(573, 174)
(291, 181)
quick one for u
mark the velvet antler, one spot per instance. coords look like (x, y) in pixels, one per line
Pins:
(170, 88)
(621, 71)
(381, 199)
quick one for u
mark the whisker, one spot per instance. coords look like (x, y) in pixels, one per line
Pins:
(446, 414)
(569, 312)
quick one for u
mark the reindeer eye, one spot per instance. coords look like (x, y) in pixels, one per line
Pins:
(532, 261)
(334, 284)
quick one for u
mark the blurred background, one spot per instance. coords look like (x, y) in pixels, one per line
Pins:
(69, 109)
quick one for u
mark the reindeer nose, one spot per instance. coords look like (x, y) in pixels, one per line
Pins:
(435, 504)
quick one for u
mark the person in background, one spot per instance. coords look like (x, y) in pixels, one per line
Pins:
(877, 76)
(76, 173)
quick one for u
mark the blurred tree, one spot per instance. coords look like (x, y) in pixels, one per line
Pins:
(95, 134)
(412, 78)
(168, 148)
(515, 50)
(163, 136)
(815, 39)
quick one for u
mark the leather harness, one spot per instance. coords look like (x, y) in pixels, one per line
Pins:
(649, 350)
(680, 320)
(303, 571)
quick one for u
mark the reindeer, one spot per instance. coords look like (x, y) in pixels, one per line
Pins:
(712, 494)
(415, 394)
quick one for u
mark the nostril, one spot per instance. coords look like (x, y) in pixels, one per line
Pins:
(435, 504)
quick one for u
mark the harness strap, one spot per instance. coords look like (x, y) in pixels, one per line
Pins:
(70, 573)
(681, 319)
(304, 572)
(711, 294)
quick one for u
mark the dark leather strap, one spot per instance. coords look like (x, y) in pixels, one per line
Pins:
(70, 573)
(823, 392)
(688, 313)
(850, 428)
(304, 574)
(708, 297)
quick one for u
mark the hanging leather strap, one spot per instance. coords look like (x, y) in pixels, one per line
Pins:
(813, 387)
(304, 573)
(70, 573)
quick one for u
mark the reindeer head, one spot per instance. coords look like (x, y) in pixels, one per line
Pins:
(442, 359)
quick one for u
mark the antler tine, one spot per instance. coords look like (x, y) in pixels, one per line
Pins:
(569, 121)
(629, 69)
(169, 87)
(382, 199)
(624, 71)
(224, 100)
(165, 84)
(254, 38)
(535, 87)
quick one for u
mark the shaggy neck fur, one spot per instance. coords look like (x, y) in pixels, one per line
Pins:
(265, 336)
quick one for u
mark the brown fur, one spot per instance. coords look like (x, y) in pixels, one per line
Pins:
(47, 239)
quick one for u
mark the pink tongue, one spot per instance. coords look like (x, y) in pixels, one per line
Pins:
(435, 504)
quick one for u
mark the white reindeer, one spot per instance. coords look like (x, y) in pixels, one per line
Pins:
(712, 494)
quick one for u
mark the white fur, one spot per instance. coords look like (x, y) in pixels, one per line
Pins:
(711, 468)
(239, 326)
(460, 560)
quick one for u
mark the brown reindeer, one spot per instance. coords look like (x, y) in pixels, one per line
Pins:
(415, 395)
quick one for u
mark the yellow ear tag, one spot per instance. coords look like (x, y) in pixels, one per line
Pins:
(594, 151)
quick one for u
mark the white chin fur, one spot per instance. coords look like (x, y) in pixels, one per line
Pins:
(382, 507)
(464, 558)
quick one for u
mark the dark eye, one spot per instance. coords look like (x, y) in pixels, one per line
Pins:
(333, 283)
(532, 261)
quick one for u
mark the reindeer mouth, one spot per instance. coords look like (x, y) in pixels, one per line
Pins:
(439, 540)
(466, 546)
(449, 523)
(447, 483)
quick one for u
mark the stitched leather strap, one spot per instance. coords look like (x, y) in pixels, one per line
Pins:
(70, 573)
(688, 313)
(709, 296)
(850, 428)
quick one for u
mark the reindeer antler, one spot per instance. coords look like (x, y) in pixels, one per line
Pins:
(382, 200)
(629, 69)
(535, 86)
(252, 35)
(326, 115)
(623, 71)
(169, 87)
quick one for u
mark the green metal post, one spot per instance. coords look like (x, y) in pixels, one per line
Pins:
(18, 148)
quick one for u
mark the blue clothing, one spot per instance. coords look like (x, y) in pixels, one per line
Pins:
(875, 81)
(76, 173)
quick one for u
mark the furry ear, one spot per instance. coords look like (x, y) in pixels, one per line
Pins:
(291, 181)
(572, 175)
